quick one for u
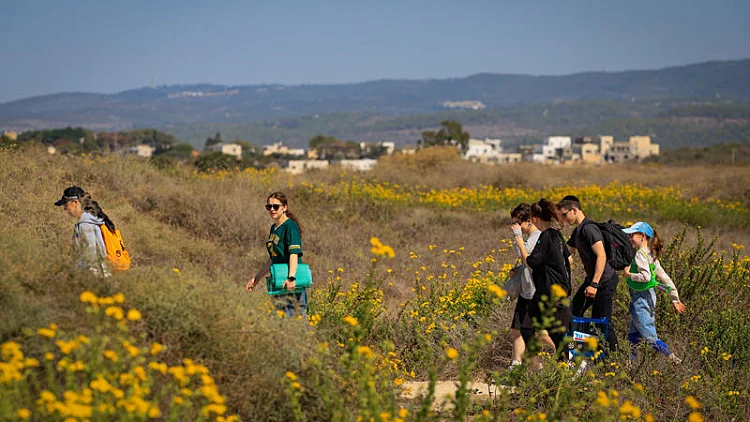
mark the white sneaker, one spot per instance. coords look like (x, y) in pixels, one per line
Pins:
(581, 368)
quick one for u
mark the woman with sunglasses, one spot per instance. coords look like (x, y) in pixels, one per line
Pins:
(284, 246)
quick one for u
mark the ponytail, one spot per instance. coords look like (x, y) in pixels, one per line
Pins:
(546, 211)
(90, 206)
(293, 218)
(656, 246)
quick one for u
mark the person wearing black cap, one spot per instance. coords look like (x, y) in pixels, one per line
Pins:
(599, 286)
(89, 249)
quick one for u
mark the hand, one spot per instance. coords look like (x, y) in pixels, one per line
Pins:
(628, 274)
(512, 273)
(250, 285)
(590, 291)
(290, 285)
(679, 307)
(516, 229)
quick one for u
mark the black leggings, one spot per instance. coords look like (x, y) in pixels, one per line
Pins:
(601, 305)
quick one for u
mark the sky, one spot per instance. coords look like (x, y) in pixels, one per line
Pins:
(110, 46)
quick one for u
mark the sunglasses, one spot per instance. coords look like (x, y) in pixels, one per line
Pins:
(274, 207)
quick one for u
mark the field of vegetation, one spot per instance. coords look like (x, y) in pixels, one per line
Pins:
(408, 263)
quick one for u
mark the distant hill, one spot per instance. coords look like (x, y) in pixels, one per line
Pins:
(166, 106)
(723, 155)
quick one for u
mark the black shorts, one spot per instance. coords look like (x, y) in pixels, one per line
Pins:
(521, 316)
(522, 320)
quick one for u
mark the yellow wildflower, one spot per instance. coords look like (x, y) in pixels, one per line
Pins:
(115, 312)
(134, 315)
(695, 417)
(693, 402)
(156, 348)
(629, 409)
(88, 297)
(558, 291)
(351, 320)
(602, 399)
(46, 332)
(497, 290)
(451, 353)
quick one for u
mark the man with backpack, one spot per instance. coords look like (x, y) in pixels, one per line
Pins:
(599, 286)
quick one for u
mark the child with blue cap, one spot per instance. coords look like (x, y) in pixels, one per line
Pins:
(644, 275)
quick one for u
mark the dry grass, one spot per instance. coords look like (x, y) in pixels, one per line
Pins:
(214, 230)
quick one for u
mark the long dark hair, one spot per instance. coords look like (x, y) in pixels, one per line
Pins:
(282, 198)
(545, 210)
(90, 206)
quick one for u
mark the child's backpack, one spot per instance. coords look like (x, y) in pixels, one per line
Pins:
(620, 252)
(118, 257)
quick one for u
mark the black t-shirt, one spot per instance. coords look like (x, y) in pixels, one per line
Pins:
(582, 238)
(549, 262)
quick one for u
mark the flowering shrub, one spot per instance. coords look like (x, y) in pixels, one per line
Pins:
(108, 375)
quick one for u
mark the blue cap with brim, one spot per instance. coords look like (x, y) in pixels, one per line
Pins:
(640, 227)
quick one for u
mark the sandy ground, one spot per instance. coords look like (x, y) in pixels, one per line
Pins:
(445, 391)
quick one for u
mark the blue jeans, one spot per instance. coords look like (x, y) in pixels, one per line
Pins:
(292, 304)
(642, 322)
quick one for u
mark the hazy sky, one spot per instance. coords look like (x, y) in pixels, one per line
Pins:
(110, 46)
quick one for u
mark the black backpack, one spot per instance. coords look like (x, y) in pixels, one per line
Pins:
(620, 252)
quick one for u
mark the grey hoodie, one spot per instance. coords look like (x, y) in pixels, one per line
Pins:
(88, 245)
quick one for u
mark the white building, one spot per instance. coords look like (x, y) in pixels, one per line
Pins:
(363, 164)
(484, 151)
(509, 157)
(299, 166)
(537, 155)
(552, 149)
(389, 147)
(559, 141)
(141, 150)
(280, 149)
(228, 149)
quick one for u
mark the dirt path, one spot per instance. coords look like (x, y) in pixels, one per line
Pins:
(445, 391)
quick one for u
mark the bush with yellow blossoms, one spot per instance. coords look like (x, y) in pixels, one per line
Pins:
(107, 375)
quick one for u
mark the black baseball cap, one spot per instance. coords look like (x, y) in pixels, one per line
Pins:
(69, 194)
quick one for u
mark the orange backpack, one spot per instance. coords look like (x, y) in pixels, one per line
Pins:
(118, 257)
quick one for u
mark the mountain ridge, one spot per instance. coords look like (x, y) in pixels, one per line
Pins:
(207, 105)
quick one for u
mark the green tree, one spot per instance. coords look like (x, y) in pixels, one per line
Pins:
(320, 139)
(248, 149)
(181, 151)
(450, 133)
(215, 161)
(216, 139)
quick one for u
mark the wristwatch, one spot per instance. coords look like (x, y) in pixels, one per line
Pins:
(293, 278)
(595, 285)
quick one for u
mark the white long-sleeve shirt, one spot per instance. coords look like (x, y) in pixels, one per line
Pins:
(643, 259)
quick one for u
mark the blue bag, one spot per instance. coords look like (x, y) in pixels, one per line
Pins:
(279, 274)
